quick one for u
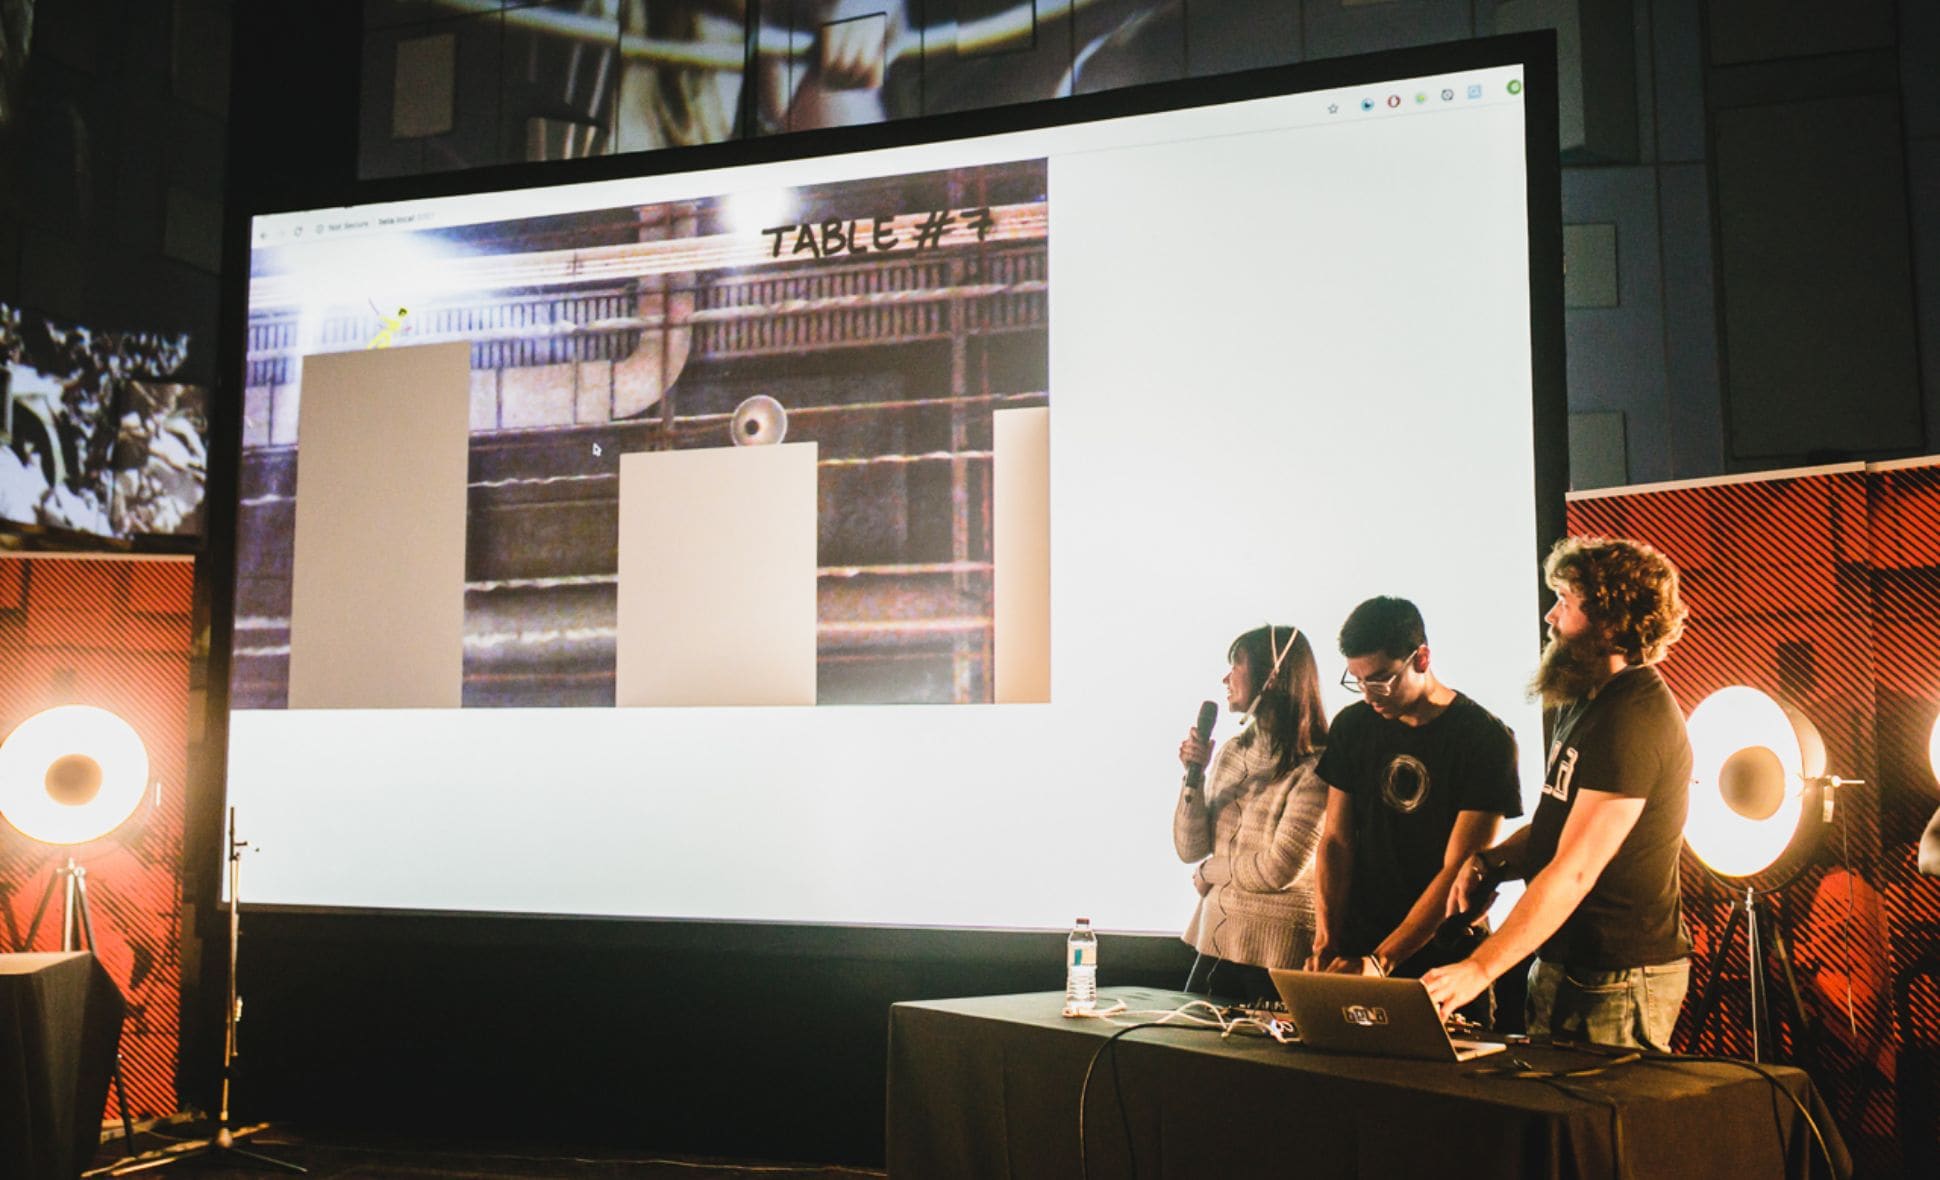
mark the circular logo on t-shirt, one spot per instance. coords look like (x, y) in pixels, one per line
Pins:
(1405, 784)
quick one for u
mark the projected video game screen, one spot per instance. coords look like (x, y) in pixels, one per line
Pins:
(848, 539)
(823, 320)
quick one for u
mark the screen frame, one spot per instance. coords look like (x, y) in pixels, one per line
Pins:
(1534, 53)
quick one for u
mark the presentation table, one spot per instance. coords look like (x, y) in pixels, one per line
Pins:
(989, 1087)
(60, 1020)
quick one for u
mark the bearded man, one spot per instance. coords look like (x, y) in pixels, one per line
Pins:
(1602, 908)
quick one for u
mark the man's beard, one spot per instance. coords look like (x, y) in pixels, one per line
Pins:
(1570, 670)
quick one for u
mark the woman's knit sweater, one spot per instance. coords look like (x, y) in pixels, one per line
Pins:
(1255, 837)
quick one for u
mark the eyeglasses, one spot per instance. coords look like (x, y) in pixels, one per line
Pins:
(1379, 686)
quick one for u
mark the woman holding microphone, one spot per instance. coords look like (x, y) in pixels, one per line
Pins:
(1252, 825)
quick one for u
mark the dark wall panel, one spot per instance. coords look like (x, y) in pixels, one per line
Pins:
(1923, 184)
(1761, 30)
(1919, 80)
(117, 110)
(1819, 334)
(200, 45)
(1676, 79)
(1690, 321)
(1631, 328)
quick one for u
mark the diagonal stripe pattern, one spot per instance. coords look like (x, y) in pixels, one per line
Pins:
(116, 634)
(1823, 589)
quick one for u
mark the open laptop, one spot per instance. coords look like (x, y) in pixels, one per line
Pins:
(1370, 1014)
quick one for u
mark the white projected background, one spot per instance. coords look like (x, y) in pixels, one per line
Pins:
(1289, 369)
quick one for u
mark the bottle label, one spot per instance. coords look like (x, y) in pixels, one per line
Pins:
(1084, 956)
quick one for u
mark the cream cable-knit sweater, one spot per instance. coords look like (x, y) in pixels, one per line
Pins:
(1256, 837)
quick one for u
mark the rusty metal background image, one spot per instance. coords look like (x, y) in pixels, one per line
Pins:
(885, 321)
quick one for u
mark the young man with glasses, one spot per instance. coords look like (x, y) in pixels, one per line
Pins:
(1419, 778)
(1602, 911)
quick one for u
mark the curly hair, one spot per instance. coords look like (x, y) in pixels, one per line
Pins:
(1629, 591)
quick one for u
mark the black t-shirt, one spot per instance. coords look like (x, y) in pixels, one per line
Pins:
(1407, 783)
(1628, 739)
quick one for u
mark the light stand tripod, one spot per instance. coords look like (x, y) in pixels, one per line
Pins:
(77, 927)
(223, 1143)
(1761, 932)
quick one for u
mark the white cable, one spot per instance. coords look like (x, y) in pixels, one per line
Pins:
(1118, 1015)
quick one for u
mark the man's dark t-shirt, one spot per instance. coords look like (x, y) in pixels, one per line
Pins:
(1407, 783)
(1628, 739)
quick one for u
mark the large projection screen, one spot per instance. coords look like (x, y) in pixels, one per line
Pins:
(1165, 376)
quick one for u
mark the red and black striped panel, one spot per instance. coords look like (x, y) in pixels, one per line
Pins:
(117, 634)
(1906, 671)
(1823, 590)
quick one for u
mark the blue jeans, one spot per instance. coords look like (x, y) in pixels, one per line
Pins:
(1635, 1007)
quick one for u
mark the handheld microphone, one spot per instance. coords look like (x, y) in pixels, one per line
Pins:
(1462, 933)
(1208, 714)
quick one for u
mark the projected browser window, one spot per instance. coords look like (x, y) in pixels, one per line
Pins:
(596, 543)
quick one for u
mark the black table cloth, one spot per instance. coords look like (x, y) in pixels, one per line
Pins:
(60, 1023)
(989, 1087)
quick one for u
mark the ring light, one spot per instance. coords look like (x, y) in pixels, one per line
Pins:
(1752, 759)
(72, 774)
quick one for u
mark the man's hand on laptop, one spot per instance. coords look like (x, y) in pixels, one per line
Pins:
(1454, 985)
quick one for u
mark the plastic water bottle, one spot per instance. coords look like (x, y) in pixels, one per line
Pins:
(1081, 968)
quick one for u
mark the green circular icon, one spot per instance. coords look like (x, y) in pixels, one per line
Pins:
(1515, 86)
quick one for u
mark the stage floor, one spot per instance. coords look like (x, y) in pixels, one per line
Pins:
(340, 1156)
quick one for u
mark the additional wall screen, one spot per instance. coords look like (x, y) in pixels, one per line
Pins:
(95, 435)
(1272, 357)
